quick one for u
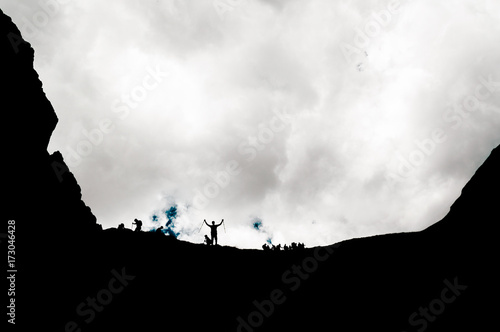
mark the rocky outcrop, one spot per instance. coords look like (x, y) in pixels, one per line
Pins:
(40, 194)
(41, 189)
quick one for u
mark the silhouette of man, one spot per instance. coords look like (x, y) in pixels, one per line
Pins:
(213, 230)
(138, 224)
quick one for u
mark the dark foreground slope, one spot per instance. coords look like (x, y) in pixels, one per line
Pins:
(73, 278)
(398, 282)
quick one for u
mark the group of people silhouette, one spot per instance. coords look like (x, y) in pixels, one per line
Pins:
(212, 240)
(136, 222)
(293, 246)
(138, 227)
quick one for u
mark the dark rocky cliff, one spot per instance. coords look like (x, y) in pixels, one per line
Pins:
(40, 193)
(40, 185)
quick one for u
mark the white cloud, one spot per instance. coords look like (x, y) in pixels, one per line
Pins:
(321, 179)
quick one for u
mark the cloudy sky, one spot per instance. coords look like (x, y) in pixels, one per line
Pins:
(322, 120)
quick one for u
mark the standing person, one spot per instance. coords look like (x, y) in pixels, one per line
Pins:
(138, 224)
(213, 230)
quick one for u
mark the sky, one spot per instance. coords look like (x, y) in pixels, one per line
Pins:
(294, 121)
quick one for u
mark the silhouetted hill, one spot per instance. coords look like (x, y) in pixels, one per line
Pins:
(72, 277)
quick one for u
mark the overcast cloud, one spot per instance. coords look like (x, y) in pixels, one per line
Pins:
(325, 120)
